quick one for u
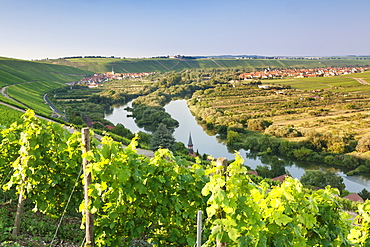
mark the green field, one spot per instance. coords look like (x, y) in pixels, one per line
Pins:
(164, 65)
(342, 84)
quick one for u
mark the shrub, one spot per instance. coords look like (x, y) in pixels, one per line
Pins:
(258, 124)
(363, 144)
(282, 131)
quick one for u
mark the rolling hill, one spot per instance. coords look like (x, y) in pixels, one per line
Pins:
(102, 65)
(28, 81)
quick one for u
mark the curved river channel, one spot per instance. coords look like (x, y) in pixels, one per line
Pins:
(209, 144)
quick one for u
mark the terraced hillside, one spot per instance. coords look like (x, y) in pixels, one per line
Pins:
(28, 81)
(163, 65)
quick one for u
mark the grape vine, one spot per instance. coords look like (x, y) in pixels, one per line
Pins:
(156, 199)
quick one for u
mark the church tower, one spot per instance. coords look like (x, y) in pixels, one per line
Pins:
(112, 71)
(190, 146)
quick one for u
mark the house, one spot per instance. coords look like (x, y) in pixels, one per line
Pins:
(253, 173)
(354, 197)
(281, 178)
(264, 86)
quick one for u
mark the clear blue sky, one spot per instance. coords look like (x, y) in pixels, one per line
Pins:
(35, 29)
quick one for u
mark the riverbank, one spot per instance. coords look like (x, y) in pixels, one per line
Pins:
(204, 142)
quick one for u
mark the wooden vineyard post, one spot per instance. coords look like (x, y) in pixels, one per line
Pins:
(199, 228)
(221, 214)
(17, 221)
(87, 181)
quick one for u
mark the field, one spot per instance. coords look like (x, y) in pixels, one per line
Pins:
(335, 104)
(164, 65)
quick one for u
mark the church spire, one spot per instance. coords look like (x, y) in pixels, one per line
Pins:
(190, 145)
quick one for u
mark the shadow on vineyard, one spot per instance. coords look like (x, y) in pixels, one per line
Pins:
(140, 201)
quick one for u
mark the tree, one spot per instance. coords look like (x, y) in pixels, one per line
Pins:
(322, 178)
(276, 168)
(365, 194)
(162, 138)
(258, 124)
(120, 130)
(232, 137)
(363, 144)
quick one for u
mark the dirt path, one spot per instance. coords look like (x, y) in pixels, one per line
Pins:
(362, 81)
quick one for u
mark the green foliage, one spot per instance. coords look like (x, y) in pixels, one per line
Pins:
(162, 138)
(151, 116)
(133, 196)
(232, 137)
(156, 200)
(42, 160)
(120, 130)
(9, 115)
(360, 234)
(321, 179)
(245, 214)
(258, 124)
(274, 168)
(282, 131)
(365, 194)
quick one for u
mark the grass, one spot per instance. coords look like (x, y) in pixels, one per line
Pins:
(342, 84)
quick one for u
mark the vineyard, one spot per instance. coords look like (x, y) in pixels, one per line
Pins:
(155, 201)
(9, 115)
(29, 81)
(17, 71)
(31, 94)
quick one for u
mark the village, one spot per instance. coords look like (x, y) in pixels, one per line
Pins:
(98, 79)
(301, 73)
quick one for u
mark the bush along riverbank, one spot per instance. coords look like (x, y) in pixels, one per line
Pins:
(314, 147)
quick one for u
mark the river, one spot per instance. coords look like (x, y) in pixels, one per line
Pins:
(209, 144)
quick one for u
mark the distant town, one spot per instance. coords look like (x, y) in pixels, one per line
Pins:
(98, 79)
(301, 73)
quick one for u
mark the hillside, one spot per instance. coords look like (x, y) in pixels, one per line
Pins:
(163, 65)
(28, 81)
(17, 71)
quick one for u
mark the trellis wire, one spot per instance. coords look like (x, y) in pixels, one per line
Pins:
(65, 208)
